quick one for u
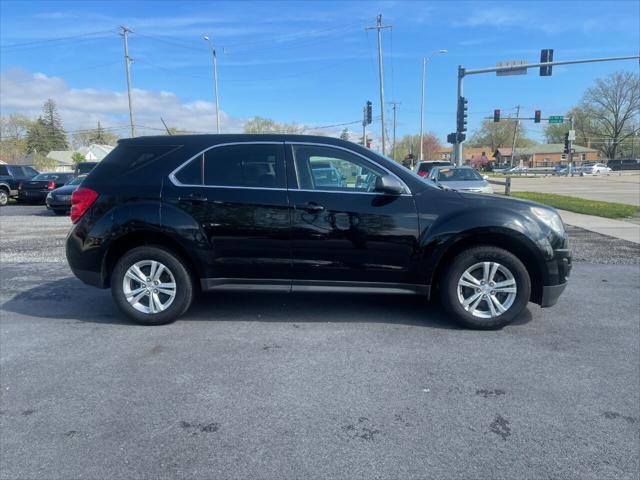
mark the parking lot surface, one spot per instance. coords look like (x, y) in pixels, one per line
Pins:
(313, 386)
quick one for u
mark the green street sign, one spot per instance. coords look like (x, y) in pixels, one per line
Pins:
(556, 119)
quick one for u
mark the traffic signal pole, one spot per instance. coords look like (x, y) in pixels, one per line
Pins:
(462, 72)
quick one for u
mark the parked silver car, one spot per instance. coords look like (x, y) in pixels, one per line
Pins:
(464, 179)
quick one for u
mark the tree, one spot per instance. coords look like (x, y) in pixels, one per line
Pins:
(13, 137)
(78, 157)
(499, 135)
(266, 125)
(431, 147)
(53, 123)
(555, 132)
(344, 135)
(613, 104)
(98, 135)
(46, 133)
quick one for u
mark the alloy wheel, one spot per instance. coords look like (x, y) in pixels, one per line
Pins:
(487, 289)
(149, 286)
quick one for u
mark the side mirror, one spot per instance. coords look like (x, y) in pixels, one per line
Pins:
(390, 185)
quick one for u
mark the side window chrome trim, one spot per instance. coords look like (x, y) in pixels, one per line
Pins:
(407, 189)
(178, 183)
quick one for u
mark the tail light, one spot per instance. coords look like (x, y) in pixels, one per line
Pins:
(51, 185)
(81, 200)
(20, 186)
(422, 174)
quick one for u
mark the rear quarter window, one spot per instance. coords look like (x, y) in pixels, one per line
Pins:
(4, 170)
(129, 158)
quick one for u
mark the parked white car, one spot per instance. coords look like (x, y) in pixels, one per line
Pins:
(596, 169)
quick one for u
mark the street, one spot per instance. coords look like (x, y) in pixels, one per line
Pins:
(616, 187)
(258, 385)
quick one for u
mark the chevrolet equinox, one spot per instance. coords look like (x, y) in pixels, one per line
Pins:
(162, 217)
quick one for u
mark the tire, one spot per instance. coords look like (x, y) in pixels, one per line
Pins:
(144, 311)
(485, 315)
(4, 197)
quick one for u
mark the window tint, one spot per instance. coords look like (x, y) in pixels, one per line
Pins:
(326, 168)
(191, 173)
(30, 171)
(16, 171)
(4, 170)
(250, 165)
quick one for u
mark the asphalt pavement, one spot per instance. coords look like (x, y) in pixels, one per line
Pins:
(313, 385)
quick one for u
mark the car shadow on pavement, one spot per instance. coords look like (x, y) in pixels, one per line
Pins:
(68, 298)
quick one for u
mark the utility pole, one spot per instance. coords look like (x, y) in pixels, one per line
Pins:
(127, 64)
(570, 154)
(515, 135)
(424, 73)
(215, 81)
(379, 28)
(394, 106)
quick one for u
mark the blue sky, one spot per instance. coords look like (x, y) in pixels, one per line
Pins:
(306, 62)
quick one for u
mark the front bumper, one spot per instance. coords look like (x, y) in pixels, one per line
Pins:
(551, 293)
(55, 204)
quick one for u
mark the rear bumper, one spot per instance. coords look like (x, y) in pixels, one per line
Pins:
(32, 196)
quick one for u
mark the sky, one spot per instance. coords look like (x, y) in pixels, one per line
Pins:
(312, 63)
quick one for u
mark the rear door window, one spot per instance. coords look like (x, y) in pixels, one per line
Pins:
(242, 165)
(4, 170)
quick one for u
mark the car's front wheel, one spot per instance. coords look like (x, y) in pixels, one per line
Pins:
(485, 287)
(4, 197)
(151, 285)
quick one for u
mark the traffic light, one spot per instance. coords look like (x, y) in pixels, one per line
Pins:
(496, 115)
(456, 137)
(537, 116)
(567, 144)
(463, 107)
(369, 114)
(546, 56)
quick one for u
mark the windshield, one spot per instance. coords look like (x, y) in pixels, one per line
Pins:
(458, 175)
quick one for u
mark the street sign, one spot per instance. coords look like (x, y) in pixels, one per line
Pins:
(512, 63)
(556, 119)
(572, 135)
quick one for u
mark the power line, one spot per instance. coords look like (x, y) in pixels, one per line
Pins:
(49, 41)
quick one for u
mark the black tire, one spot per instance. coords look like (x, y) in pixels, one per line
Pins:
(4, 197)
(183, 284)
(465, 260)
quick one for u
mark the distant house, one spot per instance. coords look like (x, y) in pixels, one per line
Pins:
(64, 158)
(545, 155)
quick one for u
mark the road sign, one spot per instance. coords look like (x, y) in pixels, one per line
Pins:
(572, 135)
(512, 63)
(556, 119)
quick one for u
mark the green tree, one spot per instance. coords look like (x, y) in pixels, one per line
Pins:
(555, 132)
(267, 125)
(78, 157)
(499, 135)
(37, 139)
(53, 123)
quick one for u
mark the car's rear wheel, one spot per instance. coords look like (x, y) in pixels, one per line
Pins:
(151, 285)
(485, 287)
(4, 197)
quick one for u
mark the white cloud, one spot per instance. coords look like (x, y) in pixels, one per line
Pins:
(25, 92)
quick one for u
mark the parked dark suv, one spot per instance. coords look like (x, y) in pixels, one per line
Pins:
(10, 178)
(160, 217)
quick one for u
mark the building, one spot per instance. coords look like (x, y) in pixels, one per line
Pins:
(64, 158)
(544, 155)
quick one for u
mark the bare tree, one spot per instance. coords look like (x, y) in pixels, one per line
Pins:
(613, 105)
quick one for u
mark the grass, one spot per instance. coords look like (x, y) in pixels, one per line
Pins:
(581, 205)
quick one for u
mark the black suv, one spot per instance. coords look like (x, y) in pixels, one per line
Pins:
(10, 178)
(161, 217)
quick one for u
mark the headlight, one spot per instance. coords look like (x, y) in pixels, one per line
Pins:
(550, 219)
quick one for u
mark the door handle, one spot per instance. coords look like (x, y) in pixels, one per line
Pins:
(193, 198)
(310, 207)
